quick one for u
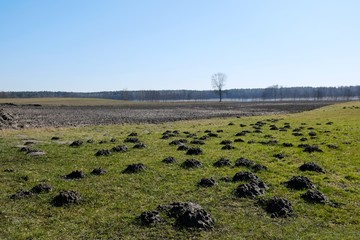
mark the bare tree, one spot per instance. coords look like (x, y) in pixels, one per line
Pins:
(218, 82)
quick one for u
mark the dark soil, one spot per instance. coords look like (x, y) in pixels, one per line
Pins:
(332, 146)
(75, 175)
(76, 143)
(55, 138)
(197, 142)
(140, 146)
(239, 140)
(151, 218)
(21, 194)
(178, 142)
(228, 147)
(314, 196)
(259, 167)
(280, 155)
(131, 140)
(222, 162)
(169, 160)
(207, 182)
(30, 116)
(299, 183)
(279, 207)
(287, 145)
(183, 147)
(191, 163)
(189, 215)
(135, 168)
(244, 162)
(194, 151)
(251, 190)
(313, 148)
(133, 134)
(98, 171)
(244, 176)
(41, 188)
(226, 142)
(120, 148)
(103, 152)
(311, 166)
(66, 198)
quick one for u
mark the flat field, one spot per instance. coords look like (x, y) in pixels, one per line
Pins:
(109, 205)
(71, 112)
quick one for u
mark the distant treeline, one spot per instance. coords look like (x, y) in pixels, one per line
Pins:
(273, 93)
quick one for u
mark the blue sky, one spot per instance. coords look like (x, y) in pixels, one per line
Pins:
(88, 45)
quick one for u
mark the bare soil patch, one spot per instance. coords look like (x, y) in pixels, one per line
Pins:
(34, 116)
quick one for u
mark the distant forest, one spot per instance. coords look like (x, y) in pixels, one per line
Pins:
(273, 93)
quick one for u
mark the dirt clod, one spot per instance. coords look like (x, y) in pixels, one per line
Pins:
(244, 162)
(207, 182)
(251, 190)
(222, 162)
(21, 194)
(226, 142)
(66, 198)
(77, 174)
(227, 147)
(120, 148)
(191, 163)
(98, 171)
(244, 176)
(279, 207)
(76, 143)
(300, 182)
(135, 168)
(189, 215)
(41, 188)
(169, 160)
(259, 167)
(140, 146)
(103, 152)
(280, 155)
(311, 166)
(314, 196)
(151, 218)
(313, 148)
(197, 142)
(131, 140)
(194, 151)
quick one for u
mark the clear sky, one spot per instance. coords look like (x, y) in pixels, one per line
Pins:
(107, 45)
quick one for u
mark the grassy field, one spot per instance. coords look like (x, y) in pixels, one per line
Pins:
(112, 202)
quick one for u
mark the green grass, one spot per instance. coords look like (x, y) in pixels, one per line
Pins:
(112, 202)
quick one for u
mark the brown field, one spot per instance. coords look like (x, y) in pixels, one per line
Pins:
(35, 113)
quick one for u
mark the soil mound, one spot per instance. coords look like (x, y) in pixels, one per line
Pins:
(197, 142)
(183, 148)
(287, 145)
(189, 215)
(239, 140)
(21, 194)
(228, 147)
(245, 176)
(133, 134)
(140, 146)
(311, 166)
(222, 162)
(120, 148)
(244, 162)
(76, 143)
(178, 142)
(280, 155)
(312, 148)
(151, 218)
(299, 182)
(226, 142)
(41, 188)
(77, 174)
(251, 190)
(194, 151)
(259, 167)
(103, 152)
(191, 163)
(66, 198)
(207, 182)
(131, 140)
(169, 160)
(314, 196)
(98, 171)
(55, 138)
(135, 168)
(279, 207)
